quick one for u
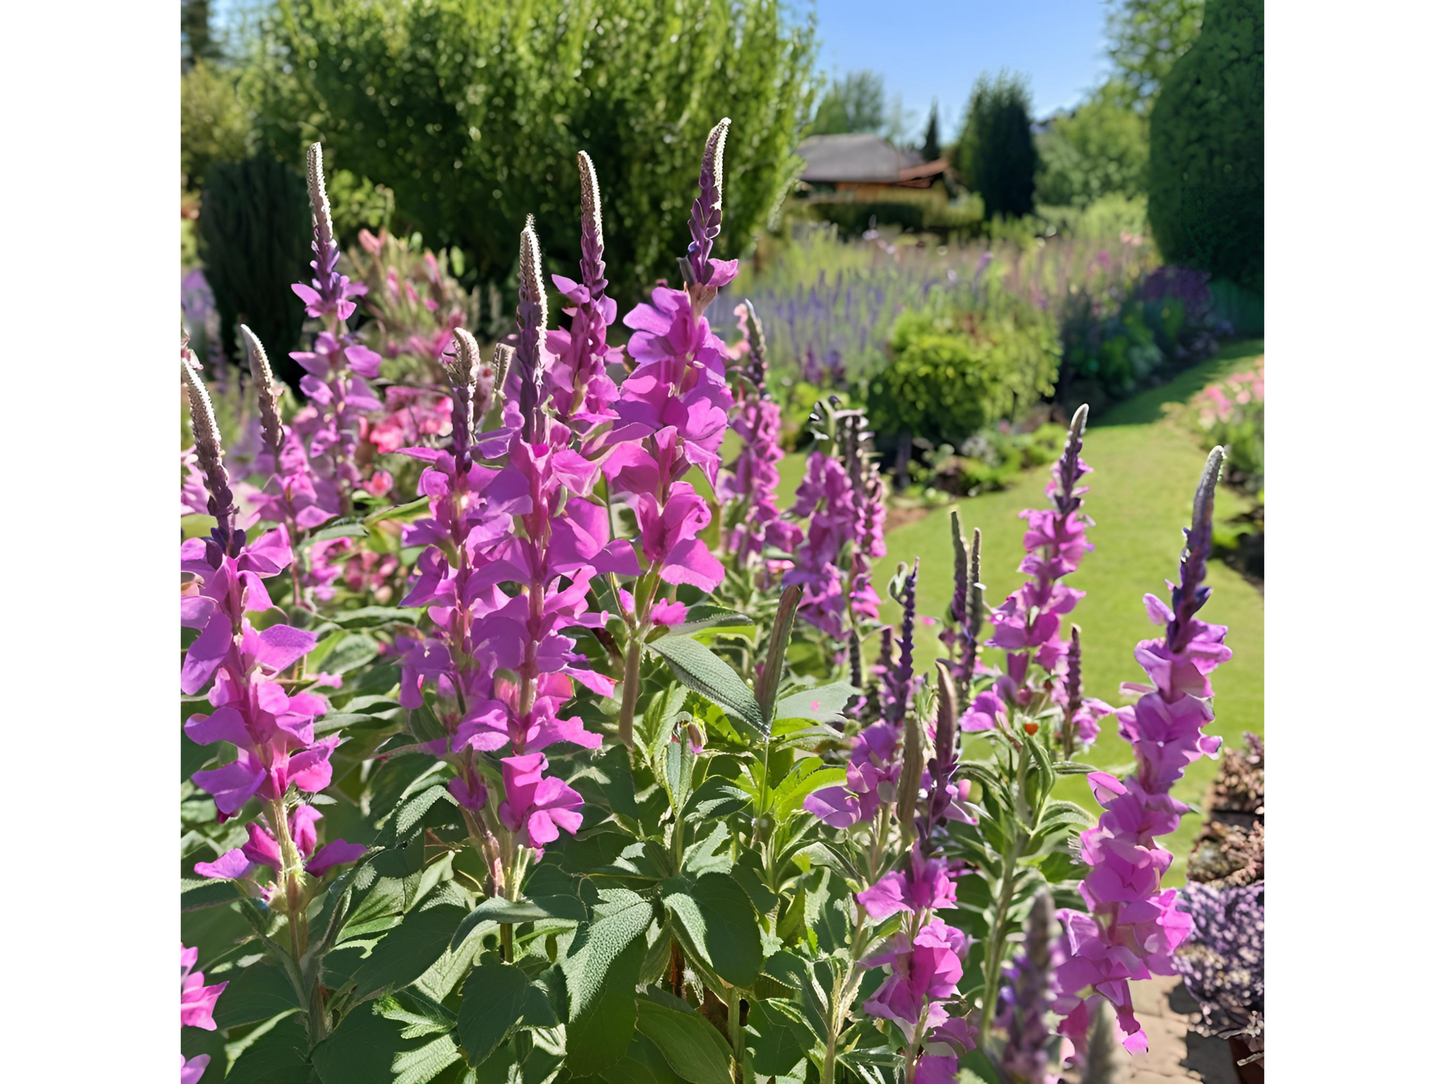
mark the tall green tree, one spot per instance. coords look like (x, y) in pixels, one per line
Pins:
(1206, 149)
(472, 112)
(1146, 39)
(930, 149)
(1100, 149)
(853, 104)
(197, 41)
(996, 155)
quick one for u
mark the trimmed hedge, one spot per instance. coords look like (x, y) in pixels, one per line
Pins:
(1206, 149)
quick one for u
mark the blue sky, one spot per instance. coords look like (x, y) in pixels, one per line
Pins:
(937, 48)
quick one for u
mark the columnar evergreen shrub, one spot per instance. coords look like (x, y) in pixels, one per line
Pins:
(252, 234)
(1206, 149)
(996, 153)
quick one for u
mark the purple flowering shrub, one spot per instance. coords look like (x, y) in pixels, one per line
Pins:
(597, 780)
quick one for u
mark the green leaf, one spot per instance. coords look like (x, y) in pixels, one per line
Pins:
(601, 972)
(277, 1057)
(498, 998)
(372, 617)
(400, 1039)
(716, 620)
(349, 652)
(406, 951)
(775, 1042)
(720, 922)
(821, 705)
(642, 1063)
(703, 672)
(256, 993)
(497, 909)
(685, 1042)
(343, 529)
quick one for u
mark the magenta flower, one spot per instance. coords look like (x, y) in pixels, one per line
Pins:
(1136, 926)
(191, 1070)
(925, 887)
(946, 1043)
(261, 848)
(843, 502)
(330, 292)
(750, 482)
(872, 768)
(537, 806)
(1027, 624)
(923, 970)
(198, 1000)
(581, 388)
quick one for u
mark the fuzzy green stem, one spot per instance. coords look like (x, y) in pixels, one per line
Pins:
(735, 1031)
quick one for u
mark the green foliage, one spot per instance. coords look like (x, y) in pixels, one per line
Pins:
(215, 125)
(996, 153)
(472, 113)
(1206, 163)
(1100, 149)
(955, 372)
(906, 210)
(1107, 219)
(1146, 39)
(253, 235)
(852, 104)
(931, 150)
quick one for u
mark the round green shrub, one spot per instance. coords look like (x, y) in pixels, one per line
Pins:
(952, 374)
(1206, 149)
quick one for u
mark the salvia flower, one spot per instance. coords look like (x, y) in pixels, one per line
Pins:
(582, 391)
(330, 292)
(1026, 998)
(1027, 624)
(271, 728)
(1135, 925)
(750, 482)
(198, 1001)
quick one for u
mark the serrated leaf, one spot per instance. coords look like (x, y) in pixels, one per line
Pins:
(601, 972)
(684, 1040)
(703, 672)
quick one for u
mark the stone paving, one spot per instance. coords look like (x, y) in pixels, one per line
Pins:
(1176, 1053)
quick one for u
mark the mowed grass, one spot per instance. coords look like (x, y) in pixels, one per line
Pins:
(1146, 468)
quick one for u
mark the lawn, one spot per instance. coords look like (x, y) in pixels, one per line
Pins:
(1141, 491)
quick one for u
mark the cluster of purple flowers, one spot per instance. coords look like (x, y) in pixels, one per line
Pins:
(269, 722)
(749, 484)
(1027, 626)
(1135, 925)
(925, 958)
(337, 366)
(1223, 962)
(842, 498)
